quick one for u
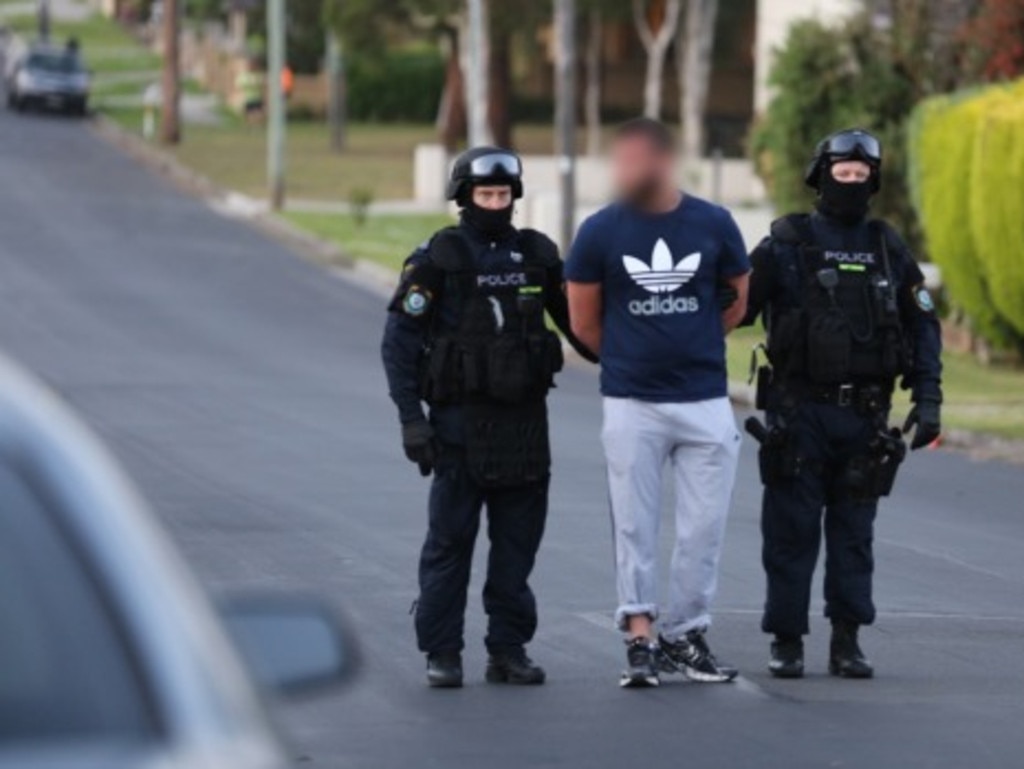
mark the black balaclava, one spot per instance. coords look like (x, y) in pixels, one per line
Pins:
(493, 224)
(847, 202)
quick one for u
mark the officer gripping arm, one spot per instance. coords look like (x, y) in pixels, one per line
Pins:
(761, 282)
(555, 301)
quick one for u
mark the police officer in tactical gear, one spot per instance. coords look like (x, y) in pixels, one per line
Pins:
(466, 334)
(847, 316)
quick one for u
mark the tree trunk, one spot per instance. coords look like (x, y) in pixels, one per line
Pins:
(656, 38)
(695, 49)
(170, 124)
(451, 112)
(592, 97)
(499, 105)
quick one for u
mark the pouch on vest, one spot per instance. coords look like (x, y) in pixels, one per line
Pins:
(440, 383)
(785, 343)
(508, 369)
(507, 446)
(829, 347)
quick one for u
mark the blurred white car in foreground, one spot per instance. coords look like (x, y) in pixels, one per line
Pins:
(110, 655)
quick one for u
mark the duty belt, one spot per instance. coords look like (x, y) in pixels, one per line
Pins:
(869, 397)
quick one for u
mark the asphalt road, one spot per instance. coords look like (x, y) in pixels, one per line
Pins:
(241, 387)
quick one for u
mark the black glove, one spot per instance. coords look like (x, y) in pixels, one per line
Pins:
(726, 295)
(926, 418)
(419, 444)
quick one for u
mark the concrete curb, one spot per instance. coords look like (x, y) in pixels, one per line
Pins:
(383, 280)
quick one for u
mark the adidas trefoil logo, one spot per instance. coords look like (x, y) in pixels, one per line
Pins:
(663, 275)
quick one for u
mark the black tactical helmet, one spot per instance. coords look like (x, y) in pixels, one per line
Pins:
(851, 144)
(485, 165)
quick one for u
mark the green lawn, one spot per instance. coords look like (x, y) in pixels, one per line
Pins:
(378, 158)
(385, 239)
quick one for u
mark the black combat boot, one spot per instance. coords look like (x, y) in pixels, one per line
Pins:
(444, 670)
(512, 666)
(845, 657)
(787, 657)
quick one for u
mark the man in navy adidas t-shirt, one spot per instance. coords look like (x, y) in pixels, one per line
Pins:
(656, 280)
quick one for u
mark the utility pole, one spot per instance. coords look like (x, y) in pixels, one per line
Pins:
(170, 119)
(565, 113)
(337, 116)
(476, 70)
(276, 118)
(44, 20)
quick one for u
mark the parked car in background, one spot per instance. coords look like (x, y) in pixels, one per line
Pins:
(110, 655)
(50, 77)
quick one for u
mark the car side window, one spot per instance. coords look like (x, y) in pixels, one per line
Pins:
(65, 673)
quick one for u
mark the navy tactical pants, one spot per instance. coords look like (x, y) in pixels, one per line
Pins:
(827, 438)
(515, 526)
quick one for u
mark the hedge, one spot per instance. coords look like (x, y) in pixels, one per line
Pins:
(967, 168)
(402, 86)
(997, 202)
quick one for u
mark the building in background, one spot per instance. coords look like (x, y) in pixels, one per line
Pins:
(746, 34)
(774, 18)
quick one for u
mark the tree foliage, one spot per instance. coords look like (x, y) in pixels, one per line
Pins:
(826, 79)
(995, 40)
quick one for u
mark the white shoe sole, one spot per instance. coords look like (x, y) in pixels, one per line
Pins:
(707, 678)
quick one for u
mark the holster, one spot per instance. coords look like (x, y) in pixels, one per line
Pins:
(778, 457)
(507, 445)
(872, 475)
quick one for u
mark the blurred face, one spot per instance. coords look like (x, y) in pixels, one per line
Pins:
(493, 198)
(640, 170)
(851, 171)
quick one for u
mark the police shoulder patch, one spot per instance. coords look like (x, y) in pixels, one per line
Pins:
(923, 299)
(416, 302)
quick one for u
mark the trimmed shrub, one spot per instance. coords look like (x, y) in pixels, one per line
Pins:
(997, 198)
(967, 169)
(399, 86)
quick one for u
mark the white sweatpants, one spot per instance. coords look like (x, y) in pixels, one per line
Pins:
(702, 443)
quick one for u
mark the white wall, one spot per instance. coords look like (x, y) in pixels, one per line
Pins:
(774, 18)
(736, 183)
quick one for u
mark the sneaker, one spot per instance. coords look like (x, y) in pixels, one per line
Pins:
(642, 665)
(692, 657)
(787, 658)
(514, 667)
(444, 670)
(846, 660)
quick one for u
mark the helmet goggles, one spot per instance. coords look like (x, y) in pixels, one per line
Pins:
(853, 145)
(496, 164)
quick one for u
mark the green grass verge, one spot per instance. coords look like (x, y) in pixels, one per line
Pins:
(377, 159)
(107, 47)
(95, 33)
(384, 239)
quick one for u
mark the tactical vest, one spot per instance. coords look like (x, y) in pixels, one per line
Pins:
(498, 361)
(500, 350)
(848, 326)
